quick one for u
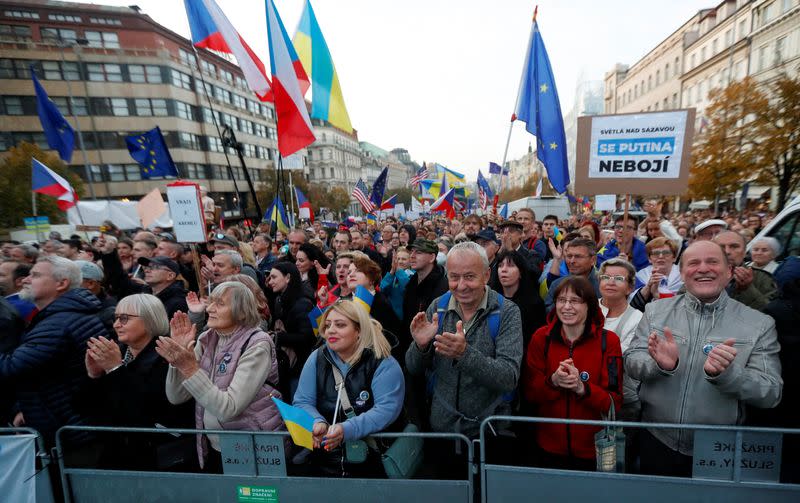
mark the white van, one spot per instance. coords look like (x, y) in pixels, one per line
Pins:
(785, 227)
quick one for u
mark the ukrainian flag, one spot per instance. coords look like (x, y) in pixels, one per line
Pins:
(299, 423)
(371, 219)
(276, 213)
(315, 315)
(363, 297)
(327, 101)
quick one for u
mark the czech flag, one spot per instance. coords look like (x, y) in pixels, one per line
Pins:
(390, 203)
(363, 298)
(276, 213)
(299, 423)
(446, 203)
(212, 30)
(294, 126)
(304, 209)
(48, 182)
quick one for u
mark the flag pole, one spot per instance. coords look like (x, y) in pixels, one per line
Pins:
(292, 196)
(35, 215)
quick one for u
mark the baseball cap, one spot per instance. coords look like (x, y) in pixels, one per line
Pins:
(485, 235)
(424, 245)
(90, 270)
(160, 261)
(219, 237)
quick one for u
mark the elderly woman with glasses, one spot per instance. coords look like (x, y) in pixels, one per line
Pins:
(231, 372)
(572, 370)
(662, 278)
(127, 388)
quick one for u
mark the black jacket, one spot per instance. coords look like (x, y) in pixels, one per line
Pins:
(417, 297)
(134, 396)
(382, 311)
(297, 334)
(11, 328)
(47, 368)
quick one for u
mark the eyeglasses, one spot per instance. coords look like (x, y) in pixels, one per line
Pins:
(562, 301)
(123, 319)
(616, 279)
(576, 257)
(661, 253)
(620, 227)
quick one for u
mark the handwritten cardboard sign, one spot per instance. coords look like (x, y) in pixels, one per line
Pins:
(188, 221)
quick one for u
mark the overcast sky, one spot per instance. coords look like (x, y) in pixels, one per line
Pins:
(440, 77)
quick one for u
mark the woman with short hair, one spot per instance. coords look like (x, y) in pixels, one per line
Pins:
(366, 273)
(662, 278)
(232, 372)
(127, 388)
(763, 251)
(373, 382)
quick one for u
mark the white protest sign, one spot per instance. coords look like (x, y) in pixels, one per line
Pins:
(639, 153)
(187, 213)
(605, 202)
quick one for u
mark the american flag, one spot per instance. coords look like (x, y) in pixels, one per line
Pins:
(360, 192)
(422, 174)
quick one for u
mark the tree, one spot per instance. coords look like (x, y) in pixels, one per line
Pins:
(777, 139)
(723, 155)
(15, 185)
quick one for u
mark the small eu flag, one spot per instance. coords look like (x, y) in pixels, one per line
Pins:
(60, 135)
(150, 151)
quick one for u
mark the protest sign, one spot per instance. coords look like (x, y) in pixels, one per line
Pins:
(151, 207)
(641, 153)
(605, 202)
(188, 221)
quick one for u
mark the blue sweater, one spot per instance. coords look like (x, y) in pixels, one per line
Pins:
(394, 286)
(388, 388)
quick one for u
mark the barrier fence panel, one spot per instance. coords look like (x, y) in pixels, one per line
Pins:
(731, 464)
(255, 467)
(18, 447)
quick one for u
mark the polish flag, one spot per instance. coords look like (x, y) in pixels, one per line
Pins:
(294, 126)
(46, 181)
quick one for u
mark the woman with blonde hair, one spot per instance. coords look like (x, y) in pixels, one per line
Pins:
(356, 353)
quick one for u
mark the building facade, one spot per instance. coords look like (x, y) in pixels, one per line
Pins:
(377, 159)
(127, 74)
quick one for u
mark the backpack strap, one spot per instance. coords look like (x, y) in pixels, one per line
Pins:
(494, 318)
(441, 308)
(244, 347)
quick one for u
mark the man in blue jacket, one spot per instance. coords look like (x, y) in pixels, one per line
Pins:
(47, 368)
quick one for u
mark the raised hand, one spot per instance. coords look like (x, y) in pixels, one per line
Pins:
(451, 345)
(93, 370)
(651, 290)
(105, 353)
(178, 356)
(664, 351)
(195, 303)
(322, 271)
(555, 250)
(720, 358)
(181, 330)
(422, 330)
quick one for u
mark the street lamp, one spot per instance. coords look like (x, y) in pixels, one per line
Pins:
(62, 43)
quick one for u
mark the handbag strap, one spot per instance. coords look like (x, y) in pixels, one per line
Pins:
(348, 409)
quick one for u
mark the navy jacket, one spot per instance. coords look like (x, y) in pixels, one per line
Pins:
(47, 369)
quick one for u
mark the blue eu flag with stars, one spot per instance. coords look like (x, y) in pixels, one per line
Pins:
(538, 107)
(150, 151)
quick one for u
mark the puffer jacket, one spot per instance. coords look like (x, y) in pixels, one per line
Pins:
(687, 394)
(598, 356)
(47, 369)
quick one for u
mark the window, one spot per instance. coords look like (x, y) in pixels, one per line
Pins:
(183, 110)
(145, 73)
(692, 61)
(268, 112)
(253, 107)
(116, 173)
(226, 76)
(636, 91)
(159, 107)
(221, 173)
(189, 140)
(702, 54)
(192, 170)
(13, 105)
(208, 116)
(780, 50)
(762, 57)
(713, 47)
(133, 172)
(240, 83)
(261, 130)
(239, 102)
(99, 72)
(22, 14)
(208, 68)
(666, 72)
(665, 105)
(658, 77)
(222, 94)
(119, 107)
(729, 38)
(58, 34)
(106, 39)
(215, 144)
(65, 18)
(272, 133)
(786, 5)
(105, 20)
(77, 107)
(148, 107)
(246, 126)
(677, 68)
(182, 80)
(186, 57)
(742, 29)
(675, 100)
(15, 32)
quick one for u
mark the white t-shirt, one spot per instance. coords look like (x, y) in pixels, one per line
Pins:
(626, 332)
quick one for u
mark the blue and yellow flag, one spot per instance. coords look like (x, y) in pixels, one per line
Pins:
(276, 214)
(150, 151)
(363, 298)
(314, 316)
(299, 423)
(327, 102)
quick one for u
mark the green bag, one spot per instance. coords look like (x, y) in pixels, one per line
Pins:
(356, 451)
(404, 457)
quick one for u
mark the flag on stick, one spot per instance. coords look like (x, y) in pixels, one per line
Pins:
(150, 151)
(304, 209)
(421, 174)
(390, 203)
(379, 188)
(276, 214)
(360, 195)
(299, 423)
(60, 135)
(46, 181)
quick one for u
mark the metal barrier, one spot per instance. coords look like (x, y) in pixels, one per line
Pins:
(712, 466)
(44, 490)
(252, 474)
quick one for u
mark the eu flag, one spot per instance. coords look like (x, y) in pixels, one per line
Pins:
(60, 135)
(150, 151)
(378, 188)
(538, 107)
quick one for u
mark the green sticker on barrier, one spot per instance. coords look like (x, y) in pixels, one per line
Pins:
(256, 494)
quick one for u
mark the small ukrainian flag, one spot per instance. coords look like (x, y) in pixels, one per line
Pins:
(364, 298)
(315, 315)
(299, 423)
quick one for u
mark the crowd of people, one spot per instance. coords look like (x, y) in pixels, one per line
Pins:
(659, 320)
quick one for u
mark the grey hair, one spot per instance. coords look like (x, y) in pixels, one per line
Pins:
(242, 303)
(236, 257)
(470, 247)
(618, 262)
(150, 309)
(772, 243)
(445, 240)
(56, 243)
(30, 251)
(63, 268)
